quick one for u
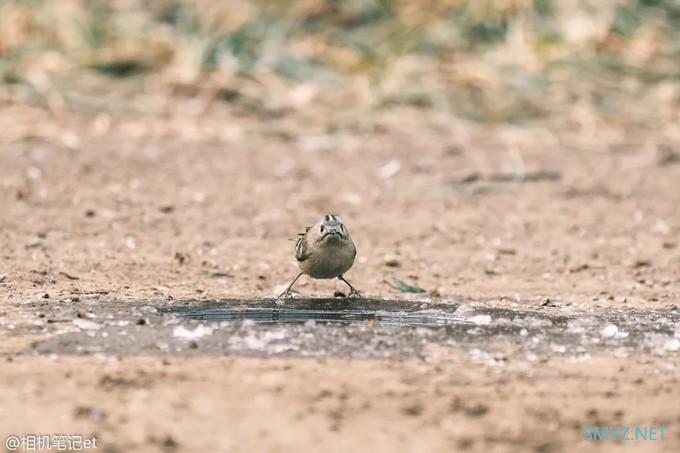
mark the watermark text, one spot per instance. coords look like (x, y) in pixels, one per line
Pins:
(50, 442)
(624, 433)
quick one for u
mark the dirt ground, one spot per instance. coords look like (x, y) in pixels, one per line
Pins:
(123, 207)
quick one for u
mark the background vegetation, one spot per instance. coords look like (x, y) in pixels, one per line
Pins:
(485, 60)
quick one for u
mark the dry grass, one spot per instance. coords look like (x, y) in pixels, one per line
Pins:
(595, 65)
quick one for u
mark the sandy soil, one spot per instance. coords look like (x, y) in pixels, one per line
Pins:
(130, 208)
(242, 404)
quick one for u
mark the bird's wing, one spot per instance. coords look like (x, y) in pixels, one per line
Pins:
(301, 250)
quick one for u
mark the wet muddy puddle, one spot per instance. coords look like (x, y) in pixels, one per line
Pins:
(358, 328)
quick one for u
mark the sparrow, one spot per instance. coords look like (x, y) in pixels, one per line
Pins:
(325, 251)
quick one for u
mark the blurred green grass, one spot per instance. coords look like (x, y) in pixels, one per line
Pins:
(491, 60)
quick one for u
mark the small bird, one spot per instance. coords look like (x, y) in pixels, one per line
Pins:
(325, 250)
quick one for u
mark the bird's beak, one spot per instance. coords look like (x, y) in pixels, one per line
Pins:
(331, 233)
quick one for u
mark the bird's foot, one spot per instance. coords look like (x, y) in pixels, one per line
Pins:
(354, 294)
(287, 294)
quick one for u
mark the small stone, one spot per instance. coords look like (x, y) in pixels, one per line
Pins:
(181, 258)
(86, 324)
(609, 331)
(34, 243)
(547, 302)
(464, 309)
(672, 345)
(390, 169)
(480, 320)
(199, 331)
(170, 443)
(477, 410)
(392, 261)
(413, 410)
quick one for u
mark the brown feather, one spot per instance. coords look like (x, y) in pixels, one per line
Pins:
(301, 251)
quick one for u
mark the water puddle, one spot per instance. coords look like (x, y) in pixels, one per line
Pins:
(327, 311)
(362, 328)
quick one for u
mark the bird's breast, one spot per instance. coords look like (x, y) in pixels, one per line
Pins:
(329, 260)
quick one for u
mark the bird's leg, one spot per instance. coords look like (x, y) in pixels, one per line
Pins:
(286, 293)
(353, 291)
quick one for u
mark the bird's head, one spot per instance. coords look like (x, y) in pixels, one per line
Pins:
(331, 228)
